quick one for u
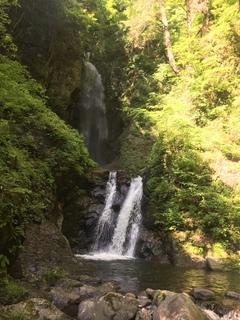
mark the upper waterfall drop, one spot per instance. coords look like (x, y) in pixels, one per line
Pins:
(92, 118)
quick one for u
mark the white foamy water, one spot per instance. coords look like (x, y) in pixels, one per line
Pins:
(116, 237)
(103, 256)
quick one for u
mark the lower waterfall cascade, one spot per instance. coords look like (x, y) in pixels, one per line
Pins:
(128, 223)
(104, 228)
(116, 236)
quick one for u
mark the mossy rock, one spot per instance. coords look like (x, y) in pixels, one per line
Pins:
(33, 309)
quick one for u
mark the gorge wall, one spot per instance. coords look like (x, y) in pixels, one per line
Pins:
(53, 47)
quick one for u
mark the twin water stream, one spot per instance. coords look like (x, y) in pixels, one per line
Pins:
(116, 238)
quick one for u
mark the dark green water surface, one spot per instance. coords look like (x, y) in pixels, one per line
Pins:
(135, 275)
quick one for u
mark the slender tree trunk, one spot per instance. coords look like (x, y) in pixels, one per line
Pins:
(168, 43)
(189, 17)
(206, 20)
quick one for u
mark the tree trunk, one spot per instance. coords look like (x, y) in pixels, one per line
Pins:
(168, 43)
(189, 17)
(206, 17)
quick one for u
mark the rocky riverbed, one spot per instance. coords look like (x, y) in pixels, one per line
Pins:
(88, 298)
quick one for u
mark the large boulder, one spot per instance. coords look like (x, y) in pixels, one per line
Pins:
(178, 306)
(65, 301)
(214, 264)
(34, 309)
(110, 306)
(68, 293)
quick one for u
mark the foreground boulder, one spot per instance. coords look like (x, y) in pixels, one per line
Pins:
(110, 306)
(68, 293)
(178, 306)
(34, 309)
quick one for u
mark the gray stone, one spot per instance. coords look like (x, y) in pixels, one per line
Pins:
(233, 295)
(143, 314)
(130, 295)
(69, 285)
(110, 306)
(34, 309)
(178, 306)
(151, 293)
(86, 310)
(161, 295)
(65, 301)
(143, 301)
(214, 264)
(202, 294)
(88, 291)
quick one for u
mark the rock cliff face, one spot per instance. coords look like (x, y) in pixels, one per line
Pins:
(47, 46)
(53, 44)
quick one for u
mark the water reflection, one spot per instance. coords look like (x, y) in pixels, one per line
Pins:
(136, 275)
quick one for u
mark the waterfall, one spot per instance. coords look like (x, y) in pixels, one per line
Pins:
(127, 228)
(91, 114)
(105, 222)
(119, 237)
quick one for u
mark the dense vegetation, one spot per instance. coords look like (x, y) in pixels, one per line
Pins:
(42, 160)
(193, 114)
(171, 67)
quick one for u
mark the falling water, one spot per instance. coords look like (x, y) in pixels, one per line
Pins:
(127, 228)
(92, 119)
(104, 228)
(118, 238)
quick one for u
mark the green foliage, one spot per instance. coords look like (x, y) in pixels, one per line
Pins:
(41, 158)
(12, 291)
(211, 62)
(194, 170)
(193, 250)
(6, 43)
(20, 315)
(4, 262)
(52, 275)
(181, 186)
(232, 263)
(219, 250)
(138, 142)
